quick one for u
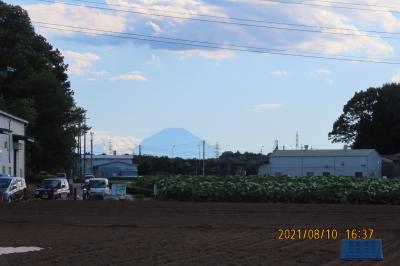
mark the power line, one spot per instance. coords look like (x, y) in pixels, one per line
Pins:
(245, 24)
(332, 2)
(245, 19)
(203, 44)
(265, 51)
(355, 4)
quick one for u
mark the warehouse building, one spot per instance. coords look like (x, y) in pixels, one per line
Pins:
(346, 162)
(391, 165)
(111, 166)
(12, 145)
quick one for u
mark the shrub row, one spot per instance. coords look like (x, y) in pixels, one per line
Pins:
(279, 189)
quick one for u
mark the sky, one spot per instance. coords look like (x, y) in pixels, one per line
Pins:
(244, 100)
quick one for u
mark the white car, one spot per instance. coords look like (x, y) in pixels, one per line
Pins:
(98, 188)
(12, 188)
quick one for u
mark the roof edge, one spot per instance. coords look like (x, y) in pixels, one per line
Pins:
(13, 117)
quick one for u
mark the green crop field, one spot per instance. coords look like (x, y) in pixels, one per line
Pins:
(278, 189)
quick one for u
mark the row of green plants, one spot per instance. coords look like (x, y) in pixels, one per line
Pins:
(279, 189)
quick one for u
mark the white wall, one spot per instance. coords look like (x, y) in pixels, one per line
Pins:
(374, 165)
(7, 147)
(336, 166)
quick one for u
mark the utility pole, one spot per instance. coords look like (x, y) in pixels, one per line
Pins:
(204, 157)
(198, 161)
(140, 150)
(261, 153)
(91, 152)
(80, 150)
(297, 140)
(84, 151)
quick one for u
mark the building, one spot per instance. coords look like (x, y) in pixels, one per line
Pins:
(12, 145)
(391, 165)
(346, 162)
(110, 166)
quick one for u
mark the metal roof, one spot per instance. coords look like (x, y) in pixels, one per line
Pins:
(108, 157)
(13, 117)
(322, 153)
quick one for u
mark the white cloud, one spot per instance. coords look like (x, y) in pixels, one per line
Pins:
(301, 42)
(387, 19)
(334, 44)
(79, 62)
(134, 75)
(179, 8)
(156, 28)
(122, 144)
(266, 106)
(279, 72)
(396, 77)
(321, 71)
(80, 16)
(217, 54)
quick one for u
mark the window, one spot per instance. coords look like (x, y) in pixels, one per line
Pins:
(9, 170)
(326, 173)
(310, 174)
(359, 174)
(278, 174)
(4, 170)
(5, 145)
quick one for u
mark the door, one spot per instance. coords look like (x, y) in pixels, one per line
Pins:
(15, 160)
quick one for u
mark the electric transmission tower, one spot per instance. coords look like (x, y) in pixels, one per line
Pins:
(109, 147)
(217, 148)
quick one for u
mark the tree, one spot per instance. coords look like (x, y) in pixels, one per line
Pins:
(371, 119)
(34, 85)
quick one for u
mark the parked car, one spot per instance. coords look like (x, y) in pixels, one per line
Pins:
(88, 177)
(64, 175)
(98, 188)
(12, 188)
(53, 188)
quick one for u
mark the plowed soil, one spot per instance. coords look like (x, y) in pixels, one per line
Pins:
(185, 233)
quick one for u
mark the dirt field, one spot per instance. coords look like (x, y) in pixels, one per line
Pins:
(179, 233)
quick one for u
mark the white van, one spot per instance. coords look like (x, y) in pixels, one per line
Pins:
(12, 188)
(98, 188)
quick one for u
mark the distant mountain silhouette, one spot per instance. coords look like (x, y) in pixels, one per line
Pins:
(175, 142)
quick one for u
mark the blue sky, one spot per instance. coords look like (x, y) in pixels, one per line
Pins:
(243, 100)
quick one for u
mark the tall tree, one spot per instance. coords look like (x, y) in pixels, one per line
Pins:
(34, 85)
(371, 119)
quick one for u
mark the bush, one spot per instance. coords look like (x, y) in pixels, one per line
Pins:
(279, 189)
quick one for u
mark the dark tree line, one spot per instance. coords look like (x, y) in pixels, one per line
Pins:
(371, 119)
(227, 164)
(34, 86)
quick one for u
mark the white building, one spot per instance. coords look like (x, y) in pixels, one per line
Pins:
(110, 166)
(346, 162)
(12, 145)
